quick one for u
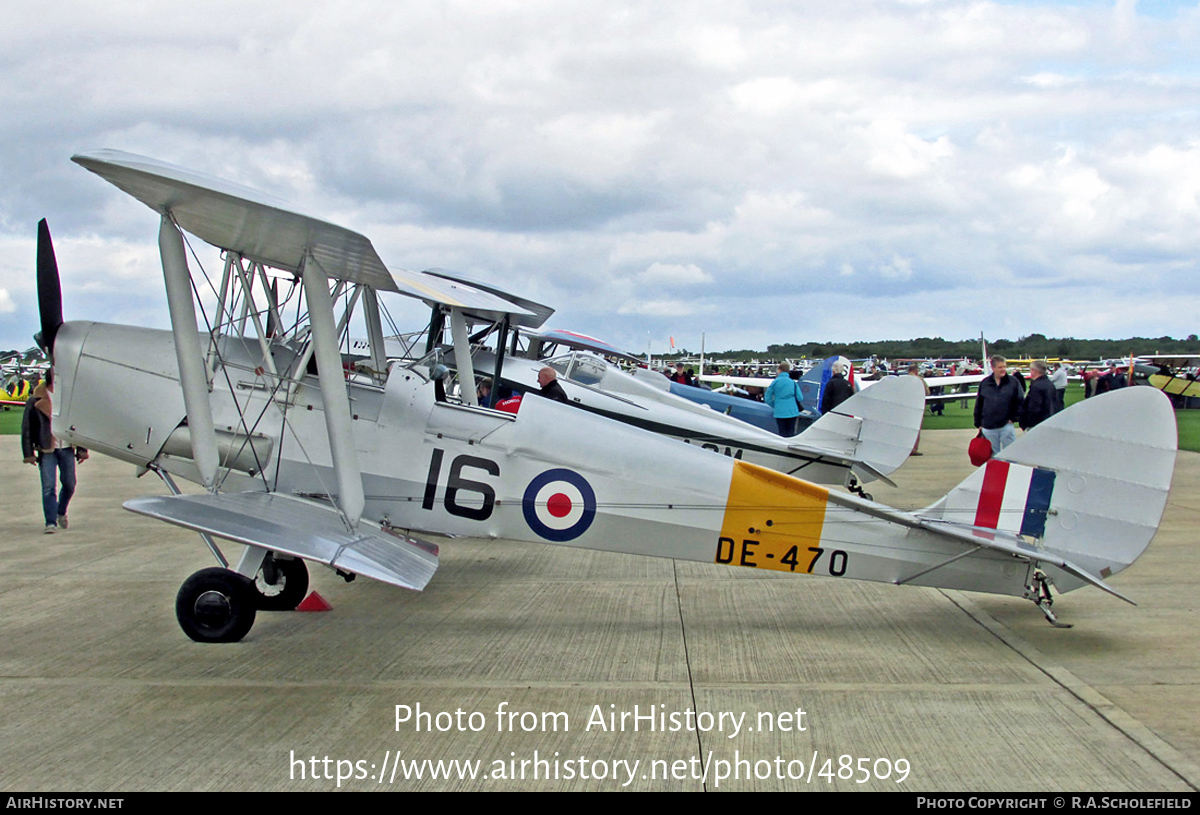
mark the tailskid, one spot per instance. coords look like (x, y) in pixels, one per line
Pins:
(1038, 590)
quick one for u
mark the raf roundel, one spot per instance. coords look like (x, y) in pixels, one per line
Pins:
(559, 505)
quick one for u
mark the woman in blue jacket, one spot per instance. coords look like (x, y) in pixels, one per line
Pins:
(783, 395)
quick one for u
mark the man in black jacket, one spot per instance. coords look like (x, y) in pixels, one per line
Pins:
(998, 405)
(1041, 402)
(549, 387)
(837, 389)
(39, 446)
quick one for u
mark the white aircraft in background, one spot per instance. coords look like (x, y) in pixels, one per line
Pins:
(867, 438)
(305, 453)
(952, 387)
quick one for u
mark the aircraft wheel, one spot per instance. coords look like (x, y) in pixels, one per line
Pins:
(867, 496)
(216, 605)
(281, 584)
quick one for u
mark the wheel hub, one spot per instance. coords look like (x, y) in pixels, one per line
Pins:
(212, 609)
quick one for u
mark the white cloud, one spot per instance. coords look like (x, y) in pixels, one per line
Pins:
(1047, 79)
(897, 269)
(765, 96)
(669, 308)
(893, 151)
(769, 162)
(674, 274)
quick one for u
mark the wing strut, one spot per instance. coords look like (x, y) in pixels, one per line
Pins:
(333, 392)
(375, 334)
(462, 357)
(192, 375)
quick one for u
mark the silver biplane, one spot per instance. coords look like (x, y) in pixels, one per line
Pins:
(306, 453)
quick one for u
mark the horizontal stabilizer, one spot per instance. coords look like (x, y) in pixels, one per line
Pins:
(975, 538)
(301, 528)
(1018, 546)
(876, 428)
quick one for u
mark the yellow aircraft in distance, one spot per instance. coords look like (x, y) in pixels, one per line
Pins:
(1176, 376)
(15, 392)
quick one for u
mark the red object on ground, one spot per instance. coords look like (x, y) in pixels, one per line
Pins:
(314, 602)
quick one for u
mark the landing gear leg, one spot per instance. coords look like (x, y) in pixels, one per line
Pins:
(281, 584)
(1039, 592)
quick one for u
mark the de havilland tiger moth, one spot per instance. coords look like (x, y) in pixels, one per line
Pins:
(308, 454)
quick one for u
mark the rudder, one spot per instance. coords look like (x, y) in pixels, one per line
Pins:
(1089, 484)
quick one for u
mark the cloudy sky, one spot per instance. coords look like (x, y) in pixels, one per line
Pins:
(759, 171)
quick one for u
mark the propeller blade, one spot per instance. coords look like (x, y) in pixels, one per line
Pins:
(49, 290)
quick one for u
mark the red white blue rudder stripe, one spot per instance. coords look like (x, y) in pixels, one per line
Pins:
(1004, 496)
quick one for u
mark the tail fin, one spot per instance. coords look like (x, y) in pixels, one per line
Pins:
(812, 387)
(877, 426)
(1088, 486)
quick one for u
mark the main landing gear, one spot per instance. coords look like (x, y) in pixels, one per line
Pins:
(216, 605)
(219, 605)
(281, 584)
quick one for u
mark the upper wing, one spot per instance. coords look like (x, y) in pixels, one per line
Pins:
(537, 312)
(1171, 360)
(240, 219)
(572, 339)
(264, 229)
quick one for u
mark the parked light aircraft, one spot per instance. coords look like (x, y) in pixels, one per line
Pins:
(308, 454)
(15, 392)
(18, 376)
(950, 387)
(811, 383)
(1173, 374)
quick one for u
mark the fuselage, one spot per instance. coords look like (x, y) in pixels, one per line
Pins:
(551, 473)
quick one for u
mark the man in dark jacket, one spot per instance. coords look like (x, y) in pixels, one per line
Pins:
(57, 464)
(1042, 401)
(548, 383)
(837, 389)
(998, 405)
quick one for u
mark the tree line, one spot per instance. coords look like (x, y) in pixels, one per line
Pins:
(1037, 346)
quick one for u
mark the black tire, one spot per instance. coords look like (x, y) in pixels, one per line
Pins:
(281, 584)
(216, 605)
